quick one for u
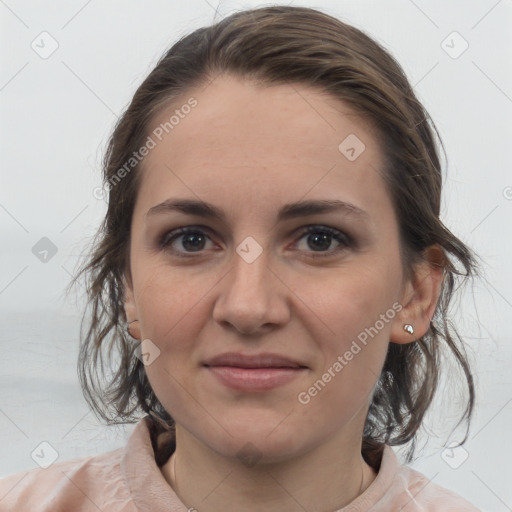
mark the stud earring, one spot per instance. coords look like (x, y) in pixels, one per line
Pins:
(409, 328)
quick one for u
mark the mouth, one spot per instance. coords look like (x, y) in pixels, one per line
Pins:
(253, 373)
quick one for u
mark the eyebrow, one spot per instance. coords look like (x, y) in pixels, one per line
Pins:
(287, 211)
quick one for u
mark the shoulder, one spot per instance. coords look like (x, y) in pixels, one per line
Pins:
(420, 493)
(78, 485)
(399, 487)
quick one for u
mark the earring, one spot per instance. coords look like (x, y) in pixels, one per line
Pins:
(409, 328)
(128, 334)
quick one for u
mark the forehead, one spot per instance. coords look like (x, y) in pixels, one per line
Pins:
(266, 144)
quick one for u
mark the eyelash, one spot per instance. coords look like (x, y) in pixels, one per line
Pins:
(169, 237)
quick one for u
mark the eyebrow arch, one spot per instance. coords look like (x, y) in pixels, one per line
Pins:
(287, 211)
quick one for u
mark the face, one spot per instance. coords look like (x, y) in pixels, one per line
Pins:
(265, 332)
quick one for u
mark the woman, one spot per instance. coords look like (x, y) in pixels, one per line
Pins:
(274, 275)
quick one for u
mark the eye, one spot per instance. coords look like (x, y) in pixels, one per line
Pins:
(194, 239)
(320, 238)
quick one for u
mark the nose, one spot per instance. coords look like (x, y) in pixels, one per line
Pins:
(252, 298)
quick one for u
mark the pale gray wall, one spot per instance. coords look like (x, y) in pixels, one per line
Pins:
(56, 114)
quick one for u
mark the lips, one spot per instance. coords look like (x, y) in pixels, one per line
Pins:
(238, 360)
(253, 373)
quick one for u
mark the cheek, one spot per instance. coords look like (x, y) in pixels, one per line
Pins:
(354, 301)
(351, 361)
(168, 300)
(172, 311)
(357, 315)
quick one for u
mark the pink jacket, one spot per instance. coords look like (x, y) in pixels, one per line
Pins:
(129, 480)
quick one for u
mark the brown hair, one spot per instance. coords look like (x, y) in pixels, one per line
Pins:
(278, 45)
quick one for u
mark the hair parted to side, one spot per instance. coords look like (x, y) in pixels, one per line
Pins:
(283, 45)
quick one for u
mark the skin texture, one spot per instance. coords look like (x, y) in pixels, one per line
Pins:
(249, 150)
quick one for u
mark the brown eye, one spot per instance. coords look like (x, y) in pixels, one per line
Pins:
(319, 240)
(192, 240)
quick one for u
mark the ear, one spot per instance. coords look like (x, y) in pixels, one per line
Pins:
(420, 296)
(130, 308)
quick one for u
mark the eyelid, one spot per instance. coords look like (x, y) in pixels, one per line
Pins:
(343, 238)
(165, 239)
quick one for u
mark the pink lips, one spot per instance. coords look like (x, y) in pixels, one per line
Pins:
(260, 372)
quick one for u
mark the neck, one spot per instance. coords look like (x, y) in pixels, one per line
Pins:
(206, 481)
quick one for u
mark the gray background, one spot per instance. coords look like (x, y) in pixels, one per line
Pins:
(56, 114)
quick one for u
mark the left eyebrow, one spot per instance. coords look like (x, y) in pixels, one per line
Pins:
(287, 211)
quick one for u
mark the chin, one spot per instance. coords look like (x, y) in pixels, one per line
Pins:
(258, 443)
